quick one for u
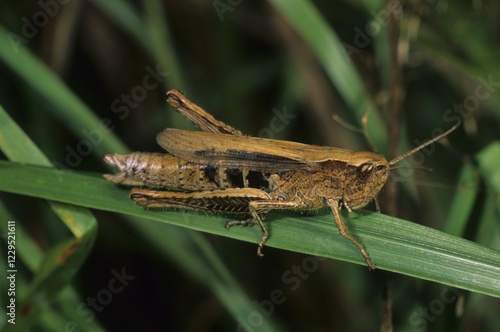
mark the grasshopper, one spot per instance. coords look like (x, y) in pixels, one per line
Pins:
(221, 170)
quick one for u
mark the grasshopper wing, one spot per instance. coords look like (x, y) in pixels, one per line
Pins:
(252, 153)
(198, 115)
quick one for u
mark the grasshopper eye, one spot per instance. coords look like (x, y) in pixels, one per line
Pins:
(364, 172)
(365, 168)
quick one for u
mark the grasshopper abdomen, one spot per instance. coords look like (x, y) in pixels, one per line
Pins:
(154, 170)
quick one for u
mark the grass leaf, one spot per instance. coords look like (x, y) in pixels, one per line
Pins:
(331, 54)
(62, 261)
(394, 244)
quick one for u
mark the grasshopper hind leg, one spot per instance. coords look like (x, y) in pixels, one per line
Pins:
(237, 201)
(240, 201)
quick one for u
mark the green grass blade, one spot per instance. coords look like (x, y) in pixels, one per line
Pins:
(328, 49)
(65, 104)
(27, 250)
(150, 31)
(161, 46)
(463, 201)
(59, 267)
(489, 159)
(124, 15)
(11, 138)
(62, 261)
(394, 244)
(11, 142)
(17, 146)
(192, 253)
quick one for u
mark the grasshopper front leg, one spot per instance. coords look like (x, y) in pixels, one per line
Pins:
(258, 208)
(335, 206)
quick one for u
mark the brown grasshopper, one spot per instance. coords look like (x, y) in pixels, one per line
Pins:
(221, 170)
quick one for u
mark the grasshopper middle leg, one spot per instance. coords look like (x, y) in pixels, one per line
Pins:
(258, 208)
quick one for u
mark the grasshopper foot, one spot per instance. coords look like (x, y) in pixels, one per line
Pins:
(371, 266)
(243, 223)
(259, 250)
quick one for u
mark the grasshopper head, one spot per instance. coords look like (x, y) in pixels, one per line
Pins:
(367, 174)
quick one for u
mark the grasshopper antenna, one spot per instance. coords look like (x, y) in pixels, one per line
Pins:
(420, 147)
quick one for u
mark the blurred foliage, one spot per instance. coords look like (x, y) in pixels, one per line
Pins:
(400, 70)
